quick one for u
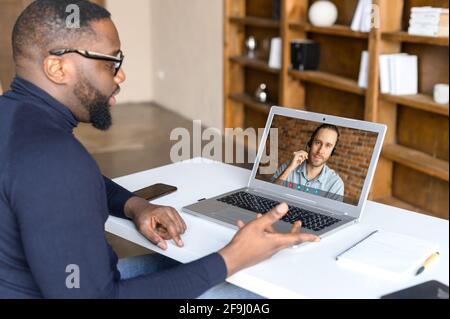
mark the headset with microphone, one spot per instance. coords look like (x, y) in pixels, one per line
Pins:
(324, 126)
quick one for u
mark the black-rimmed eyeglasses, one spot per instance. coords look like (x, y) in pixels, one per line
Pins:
(94, 55)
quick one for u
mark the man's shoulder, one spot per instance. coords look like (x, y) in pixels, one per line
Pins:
(48, 148)
(23, 119)
(29, 124)
(11, 105)
(51, 160)
(30, 138)
(332, 175)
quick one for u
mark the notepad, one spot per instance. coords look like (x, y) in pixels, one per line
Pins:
(388, 255)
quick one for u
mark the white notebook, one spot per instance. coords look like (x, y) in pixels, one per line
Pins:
(388, 255)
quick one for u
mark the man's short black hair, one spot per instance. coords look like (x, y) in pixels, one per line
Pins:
(42, 26)
(329, 127)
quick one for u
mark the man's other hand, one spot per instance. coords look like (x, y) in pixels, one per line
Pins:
(258, 241)
(156, 223)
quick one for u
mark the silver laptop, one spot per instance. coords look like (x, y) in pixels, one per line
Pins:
(320, 165)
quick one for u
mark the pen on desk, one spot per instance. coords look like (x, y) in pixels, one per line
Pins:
(357, 243)
(427, 263)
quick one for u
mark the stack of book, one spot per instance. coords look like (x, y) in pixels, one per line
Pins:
(399, 74)
(362, 19)
(429, 21)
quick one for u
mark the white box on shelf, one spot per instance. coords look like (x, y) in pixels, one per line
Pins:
(275, 53)
(364, 70)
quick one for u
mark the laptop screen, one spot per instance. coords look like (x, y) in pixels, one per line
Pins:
(319, 159)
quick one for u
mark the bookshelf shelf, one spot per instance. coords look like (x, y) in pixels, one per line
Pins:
(393, 201)
(419, 161)
(337, 30)
(329, 80)
(254, 63)
(248, 101)
(256, 22)
(402, 36)
(420, 101)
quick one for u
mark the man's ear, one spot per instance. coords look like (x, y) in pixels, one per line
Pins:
(56, 70)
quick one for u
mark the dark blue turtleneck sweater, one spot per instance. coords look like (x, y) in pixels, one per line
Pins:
(54, 203)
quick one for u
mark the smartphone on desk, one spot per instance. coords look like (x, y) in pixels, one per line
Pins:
(155, 191)
(432, 289)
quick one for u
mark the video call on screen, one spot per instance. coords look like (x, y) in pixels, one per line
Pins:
(320, 159)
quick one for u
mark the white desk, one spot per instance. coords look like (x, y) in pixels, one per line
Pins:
(306, 272)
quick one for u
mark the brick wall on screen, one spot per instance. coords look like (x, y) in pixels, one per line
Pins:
(352, 158)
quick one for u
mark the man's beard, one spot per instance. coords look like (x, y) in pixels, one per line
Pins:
(95, 103)
(319, 163)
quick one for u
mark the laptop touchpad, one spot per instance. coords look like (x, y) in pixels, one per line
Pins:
(232, 216)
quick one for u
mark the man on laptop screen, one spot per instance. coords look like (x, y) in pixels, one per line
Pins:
(321, 159)
(309, 168)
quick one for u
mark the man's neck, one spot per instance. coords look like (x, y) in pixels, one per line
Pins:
(44, 85)
(312, 172)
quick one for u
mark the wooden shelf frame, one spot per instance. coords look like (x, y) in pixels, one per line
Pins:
(393, 201)
(419, 101)
(256, 22)
(402, 36)
(329, 80)
(335, 30)
(254, 63)
(417, 160)
(250, 102)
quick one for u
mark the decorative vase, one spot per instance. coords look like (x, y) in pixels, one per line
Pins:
(251, 47)
(261, 93)
(323, 13)
(441, 93)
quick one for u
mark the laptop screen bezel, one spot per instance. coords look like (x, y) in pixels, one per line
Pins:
(310, 199)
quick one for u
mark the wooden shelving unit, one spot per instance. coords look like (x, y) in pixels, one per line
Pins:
(420, 101)
(329, 80)
(416, 160)
(392, 201)
(250, 102)
(413, 171)
(402, 36)
(256, 22)
(254, 63)
(336, 30)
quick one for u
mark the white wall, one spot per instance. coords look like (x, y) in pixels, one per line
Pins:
(132, 19)
(187, 55)
(174, 55)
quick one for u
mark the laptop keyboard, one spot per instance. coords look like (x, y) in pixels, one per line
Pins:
(258, 204)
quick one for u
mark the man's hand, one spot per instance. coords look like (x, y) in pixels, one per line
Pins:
(258, 241)
(156, 223)
(298, 159)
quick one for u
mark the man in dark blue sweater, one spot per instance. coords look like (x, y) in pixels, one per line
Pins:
(54, 202)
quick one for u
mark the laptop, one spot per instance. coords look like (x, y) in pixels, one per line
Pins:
(322, 166)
